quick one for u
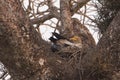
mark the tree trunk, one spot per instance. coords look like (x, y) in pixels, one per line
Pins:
(108, 48)
(19, 49)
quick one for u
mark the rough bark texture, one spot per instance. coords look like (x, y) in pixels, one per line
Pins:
(19, 49)
(109, 47)
(66, 20)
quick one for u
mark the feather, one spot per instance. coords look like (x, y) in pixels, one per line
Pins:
(58, 36)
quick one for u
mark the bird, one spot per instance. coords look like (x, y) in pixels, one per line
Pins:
(58, 42)
(52, 39)
(58, 36)
(61, 42)
(54, 46)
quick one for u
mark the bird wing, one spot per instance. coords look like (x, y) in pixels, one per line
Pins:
(79, 45)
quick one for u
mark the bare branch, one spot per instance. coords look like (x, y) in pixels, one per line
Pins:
(41, 19)
(54, 11)
(78, 5)
(85, 15)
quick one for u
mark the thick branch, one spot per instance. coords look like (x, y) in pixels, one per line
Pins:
(109, 45)
(17, 49)
(41, 19)
(66, 20)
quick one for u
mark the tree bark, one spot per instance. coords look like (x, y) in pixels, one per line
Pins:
(66, 21)
(19, 48)
(108, 48)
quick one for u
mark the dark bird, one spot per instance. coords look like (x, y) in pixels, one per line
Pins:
(58, 42)
(54, 46)
(58, 36)
(52, 39)
(61, 42)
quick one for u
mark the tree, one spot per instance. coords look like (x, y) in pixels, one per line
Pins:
(109, 52)
(108, 24)
(107, 11)
(28, 57)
